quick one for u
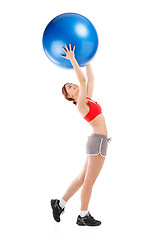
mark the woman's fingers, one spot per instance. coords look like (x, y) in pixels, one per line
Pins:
(69, 52)
(63, 56)
(70, 49)
(66, 47)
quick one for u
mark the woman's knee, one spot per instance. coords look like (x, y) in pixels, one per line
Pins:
(80, 179)
(89, 181)
(94, 167)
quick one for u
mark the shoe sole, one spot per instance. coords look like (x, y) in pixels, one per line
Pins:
(79, 223)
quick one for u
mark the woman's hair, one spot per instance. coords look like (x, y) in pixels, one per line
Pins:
(64, 92)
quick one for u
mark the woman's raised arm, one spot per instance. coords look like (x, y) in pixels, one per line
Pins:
(70, 56)
(90, 82)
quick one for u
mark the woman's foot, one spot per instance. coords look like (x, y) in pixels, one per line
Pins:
(87, 220)
(57, 210)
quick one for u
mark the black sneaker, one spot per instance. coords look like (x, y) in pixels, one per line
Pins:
(87, 220)
(57, 210)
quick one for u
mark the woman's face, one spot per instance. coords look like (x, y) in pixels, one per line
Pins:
(72, 89)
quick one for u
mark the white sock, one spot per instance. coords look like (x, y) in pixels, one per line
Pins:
(83, 213)
(62, 203)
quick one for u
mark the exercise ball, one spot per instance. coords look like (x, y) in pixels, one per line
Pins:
(74, 29)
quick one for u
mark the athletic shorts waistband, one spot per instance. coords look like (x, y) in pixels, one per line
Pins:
(99, 135)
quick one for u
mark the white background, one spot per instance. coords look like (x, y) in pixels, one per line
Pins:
(43, 137)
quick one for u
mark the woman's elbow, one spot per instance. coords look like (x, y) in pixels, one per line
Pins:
(83, 79)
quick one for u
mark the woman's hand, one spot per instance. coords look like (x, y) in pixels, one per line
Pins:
(69, 52)
(70, 55)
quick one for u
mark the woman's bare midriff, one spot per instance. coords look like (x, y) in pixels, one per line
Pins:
(98, 123)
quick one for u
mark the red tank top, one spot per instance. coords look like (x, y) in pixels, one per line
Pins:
(94, 110)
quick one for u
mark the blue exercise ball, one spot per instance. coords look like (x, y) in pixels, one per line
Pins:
(74, 29)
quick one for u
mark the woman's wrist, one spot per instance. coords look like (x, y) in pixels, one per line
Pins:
(73, 59)
(77, 69)
(74, 62)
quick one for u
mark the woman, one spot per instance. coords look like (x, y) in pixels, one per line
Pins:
(96, 146)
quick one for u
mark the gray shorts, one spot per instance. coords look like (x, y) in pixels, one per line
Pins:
(97, 144)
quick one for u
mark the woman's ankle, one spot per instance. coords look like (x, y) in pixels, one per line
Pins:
(83, 213)
(62, 203)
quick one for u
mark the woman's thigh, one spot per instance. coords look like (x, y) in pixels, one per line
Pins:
(95, 164)
(84, 170)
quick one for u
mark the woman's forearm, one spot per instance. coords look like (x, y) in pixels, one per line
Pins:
(78, 70)
(89, 72)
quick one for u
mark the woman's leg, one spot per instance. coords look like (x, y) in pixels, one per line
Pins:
(95, 164)
(76, 184)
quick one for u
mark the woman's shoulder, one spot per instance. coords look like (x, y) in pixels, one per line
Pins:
(86, 100)
(83, 107)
